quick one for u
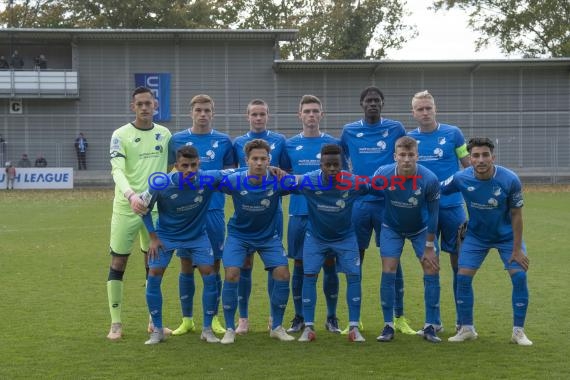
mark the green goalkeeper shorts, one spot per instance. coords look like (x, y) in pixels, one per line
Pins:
(124, 230)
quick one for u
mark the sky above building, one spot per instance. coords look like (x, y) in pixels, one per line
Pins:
(442, 35)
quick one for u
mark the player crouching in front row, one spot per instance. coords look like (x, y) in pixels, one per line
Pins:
(181, 226)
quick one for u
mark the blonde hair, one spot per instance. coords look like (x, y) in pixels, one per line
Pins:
(201, 98)
(423, 95)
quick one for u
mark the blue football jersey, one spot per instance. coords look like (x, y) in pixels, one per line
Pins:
(215, 150)
(304, 155)
(437, 152)
(489, 202)
(275, 140)
(369, 146)
(255, 206)
(330, 204)
(182, 206)
(411, 206)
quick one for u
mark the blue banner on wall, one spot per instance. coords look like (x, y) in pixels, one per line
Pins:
(160, 86)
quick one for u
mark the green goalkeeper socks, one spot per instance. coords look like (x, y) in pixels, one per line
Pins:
(115, 296)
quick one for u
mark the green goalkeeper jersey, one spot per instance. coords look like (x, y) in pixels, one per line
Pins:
(135, 155)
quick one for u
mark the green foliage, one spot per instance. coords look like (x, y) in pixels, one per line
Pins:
(54, 308)
(342, 29)
(532, 27)
(125, 14)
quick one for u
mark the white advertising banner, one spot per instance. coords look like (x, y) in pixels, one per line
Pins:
(39, 178)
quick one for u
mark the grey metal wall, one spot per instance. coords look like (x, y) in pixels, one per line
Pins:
(525, 110)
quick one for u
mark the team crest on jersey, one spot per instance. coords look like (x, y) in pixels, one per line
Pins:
(158, 148)
(265, 202)
(189, 143)
(470, 188)
(138, 139)
(496, 191)
(115, 144)
(198, 199)
(215, 144)
(340, 203)
(272, 146)
(438, 152)
(359, 134)
(211, 154)
(413, 201)
(381, 144)
(174, 196)
(385, 133)
(493, 202)
(299, 147)
(441, 140)
(243, 192)
(318, 156)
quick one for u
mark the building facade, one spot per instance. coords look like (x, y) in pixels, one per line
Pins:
(523, 105)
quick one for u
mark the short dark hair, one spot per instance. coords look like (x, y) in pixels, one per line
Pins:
(187, 151)
(406, 142)
(257, 102)
(310, 99)
(256, 144)
(142, 90)
(371, 89)
(330, 149)
(480, 141)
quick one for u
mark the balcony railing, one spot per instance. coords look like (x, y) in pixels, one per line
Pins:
(39, 84)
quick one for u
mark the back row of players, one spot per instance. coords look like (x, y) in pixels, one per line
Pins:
(370, 146)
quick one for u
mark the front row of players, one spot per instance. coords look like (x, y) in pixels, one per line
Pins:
(492, 193)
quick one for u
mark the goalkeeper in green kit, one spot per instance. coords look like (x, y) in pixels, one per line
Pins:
(138, 149)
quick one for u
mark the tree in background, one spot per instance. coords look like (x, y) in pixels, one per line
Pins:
(124, 14)
(532, 27)
(341, 29)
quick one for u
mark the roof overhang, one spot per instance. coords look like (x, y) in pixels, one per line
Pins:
(148, 34)
(376, 65)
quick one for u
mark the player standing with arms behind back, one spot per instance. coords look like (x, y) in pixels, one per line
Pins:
(369, 143)
(441, 147)
(257, 116)
(216, 153)
(304, 154)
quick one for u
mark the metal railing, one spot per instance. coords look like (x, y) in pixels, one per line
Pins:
(39, 83)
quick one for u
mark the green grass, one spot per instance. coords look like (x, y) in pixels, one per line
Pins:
(54, 262)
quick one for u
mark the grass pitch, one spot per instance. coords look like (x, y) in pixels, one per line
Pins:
(54, 262)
